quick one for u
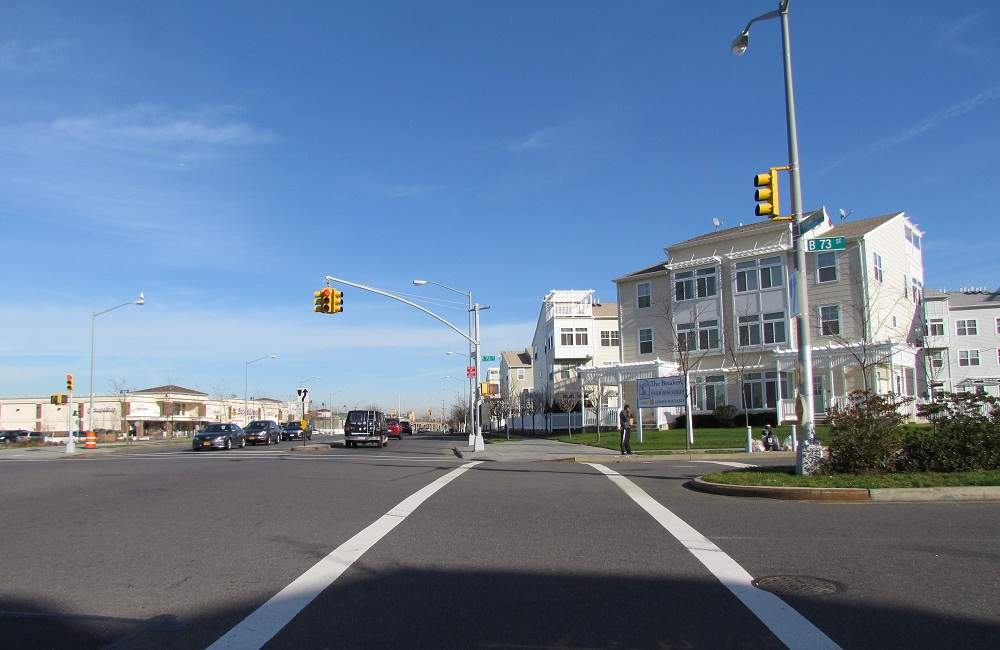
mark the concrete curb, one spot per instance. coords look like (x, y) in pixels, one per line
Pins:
(309, 448)
(965, 493)
(787, 493)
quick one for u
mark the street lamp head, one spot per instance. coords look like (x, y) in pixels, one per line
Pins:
(419, 283)
(273, 356)
(741, 42)
(141, 300)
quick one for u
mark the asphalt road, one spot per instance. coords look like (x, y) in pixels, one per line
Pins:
(177, 548)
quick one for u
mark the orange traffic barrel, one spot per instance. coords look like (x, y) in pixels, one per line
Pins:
(91, 441)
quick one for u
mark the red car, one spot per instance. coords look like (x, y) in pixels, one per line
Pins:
(393, 428)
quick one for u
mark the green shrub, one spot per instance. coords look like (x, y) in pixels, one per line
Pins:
(725, 414)
(965, 436)
(865, 436)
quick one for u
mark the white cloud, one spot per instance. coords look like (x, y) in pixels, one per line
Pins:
(956, 37)
(19, 57)
(540, 139)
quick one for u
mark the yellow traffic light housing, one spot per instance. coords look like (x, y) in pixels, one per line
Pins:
(322, 301)
(69, 382)
(767, 195)
(337, 302)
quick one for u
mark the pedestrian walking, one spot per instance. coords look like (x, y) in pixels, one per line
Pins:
(625, 424)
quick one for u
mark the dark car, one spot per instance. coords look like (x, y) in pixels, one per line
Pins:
(294, 431)
(17, 435)
(219, 436)
(405, 426)
(365, 427)
(266, 432)
(394, 428)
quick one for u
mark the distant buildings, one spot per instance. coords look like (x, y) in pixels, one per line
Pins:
(962, 341)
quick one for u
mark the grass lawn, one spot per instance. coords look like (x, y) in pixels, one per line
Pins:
(674, 439)
(785, 477)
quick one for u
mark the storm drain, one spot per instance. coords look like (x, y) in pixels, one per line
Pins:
(806, 585)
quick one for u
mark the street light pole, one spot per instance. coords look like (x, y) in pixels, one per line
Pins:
(141, 300)
(804, 336)
(246, 377)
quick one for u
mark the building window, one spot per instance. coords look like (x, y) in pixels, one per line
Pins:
(935, 327)
(687, 337)
(642, 299)
(966, 327)
(581, 336)
(774, 327)
(706, 283)
(998, 326)
(826, 267)
(746, 276)
(968, 357)
(829, 319)
(879, 268)
(709, 392)
(609, 338)
(937, 358)
(684, 286)
(760, 390)
(912, 237)
(520, 374)
(917, 288)
(646, 341)
(566, 336)
(770, 273)
(749, 330)
(708, 335)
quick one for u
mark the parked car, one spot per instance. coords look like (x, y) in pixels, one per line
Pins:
(394, 429)
(294, 431)
(17, 435)
(219, 436)
(365, 427)
(405, 426)
(266, 432)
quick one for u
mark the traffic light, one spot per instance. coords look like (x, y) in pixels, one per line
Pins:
(337, 302)
(54, 398)
(322, 300)
(69, 382)
(766, 194)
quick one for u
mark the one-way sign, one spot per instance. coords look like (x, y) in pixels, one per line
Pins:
(809, 221)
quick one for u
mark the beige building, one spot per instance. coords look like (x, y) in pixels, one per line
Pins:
(516, 376)
(962, 341)
(722, 305)
(155, 412)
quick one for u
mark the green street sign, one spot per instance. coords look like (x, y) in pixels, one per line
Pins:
(489, 357)
(821, 244)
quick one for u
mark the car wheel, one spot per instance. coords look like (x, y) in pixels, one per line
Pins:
(229, 443)
(243, 443)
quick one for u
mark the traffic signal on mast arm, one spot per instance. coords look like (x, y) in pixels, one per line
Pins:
(322, 302)
(766, 194)
(69, 382)
(337, 302)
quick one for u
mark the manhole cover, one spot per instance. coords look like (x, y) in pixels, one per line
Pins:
(798, 585)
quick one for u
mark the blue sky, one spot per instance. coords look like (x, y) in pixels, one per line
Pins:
(222, 157)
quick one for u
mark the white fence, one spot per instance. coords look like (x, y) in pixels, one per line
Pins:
(558, 421)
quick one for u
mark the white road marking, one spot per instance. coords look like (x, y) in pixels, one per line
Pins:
(727, 463)
(793, 629)
(267, 620)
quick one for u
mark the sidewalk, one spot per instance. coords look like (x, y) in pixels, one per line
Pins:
(532, 450)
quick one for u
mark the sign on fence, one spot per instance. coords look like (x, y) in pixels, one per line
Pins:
(660, 391)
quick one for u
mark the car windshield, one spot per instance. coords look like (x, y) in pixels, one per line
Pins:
(257, 424)
(216, 428)
(295, 426)
(358, 416)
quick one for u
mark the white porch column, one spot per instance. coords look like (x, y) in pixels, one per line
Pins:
(843, 379)
(831, 392)
(777, 366)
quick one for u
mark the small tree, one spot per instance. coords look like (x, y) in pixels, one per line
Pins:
(597, 397)
(688, 345)
(865, 436)
(121, 388)
(567, 401)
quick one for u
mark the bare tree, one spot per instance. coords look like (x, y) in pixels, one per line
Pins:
(869, 332)
(743, 355)
(566, 401)
(121, 388)
(529, 406)
(597, 397)
(688, 344)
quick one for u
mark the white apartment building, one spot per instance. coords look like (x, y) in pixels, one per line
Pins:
(572, 331)
(516, 376)
(723, 302)
(962, 341)
(158, 411)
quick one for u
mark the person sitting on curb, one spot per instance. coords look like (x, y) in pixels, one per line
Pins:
(769, 439)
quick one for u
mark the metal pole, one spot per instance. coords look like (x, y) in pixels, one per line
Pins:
(479, 445)
(471, 419)
(246, 374)
(90, 411)
(70, 448)
(804, 335)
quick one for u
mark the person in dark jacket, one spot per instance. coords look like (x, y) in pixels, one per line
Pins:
(625, 424)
